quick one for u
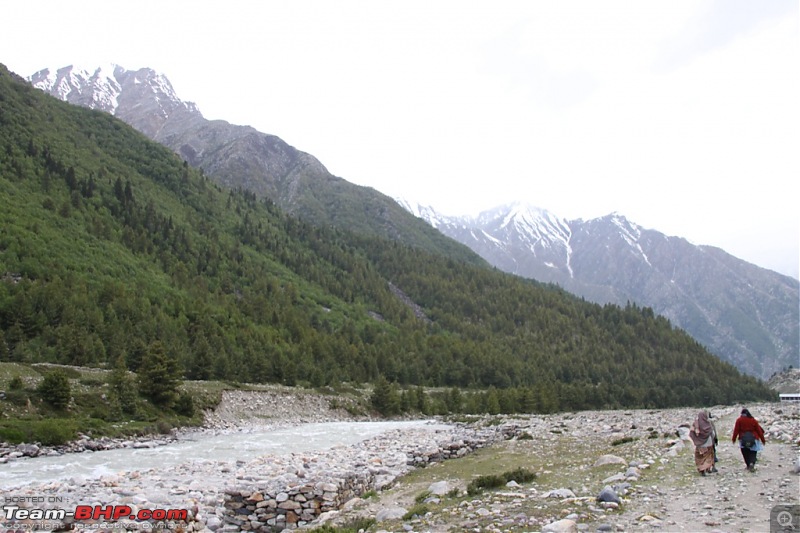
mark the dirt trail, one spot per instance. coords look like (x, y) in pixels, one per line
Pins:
(670, 495)
(733, 500)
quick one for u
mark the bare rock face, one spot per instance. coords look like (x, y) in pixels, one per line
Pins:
(786, 382)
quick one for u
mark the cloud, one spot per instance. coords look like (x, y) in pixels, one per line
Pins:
(718, 26)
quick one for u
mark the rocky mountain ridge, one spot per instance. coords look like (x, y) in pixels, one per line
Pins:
(240, 157)
(746, 314)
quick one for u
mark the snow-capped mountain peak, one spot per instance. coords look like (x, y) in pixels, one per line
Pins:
(96, 85)
(425, 212)
(115, 90)
(525, 219)
(501, 230)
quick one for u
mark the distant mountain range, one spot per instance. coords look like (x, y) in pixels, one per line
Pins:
(745, 314)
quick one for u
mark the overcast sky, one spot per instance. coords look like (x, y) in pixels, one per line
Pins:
(682, 116)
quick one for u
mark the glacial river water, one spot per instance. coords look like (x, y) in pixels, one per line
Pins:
(200, 446)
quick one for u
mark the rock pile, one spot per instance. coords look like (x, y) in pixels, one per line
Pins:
(279, 405)
(272, 497)
(10, 452)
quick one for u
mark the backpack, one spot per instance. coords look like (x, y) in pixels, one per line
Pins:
(748, 439)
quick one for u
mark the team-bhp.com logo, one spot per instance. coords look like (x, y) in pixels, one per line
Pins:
(16, 517)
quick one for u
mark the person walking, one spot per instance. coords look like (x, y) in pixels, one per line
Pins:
(703, 436)
(751, 438)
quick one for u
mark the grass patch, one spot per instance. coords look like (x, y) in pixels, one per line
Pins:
(493, 481)
(48, 432)
(418, 510)
(27, 417)
(422, 496)
(9, 371)
(556, 462)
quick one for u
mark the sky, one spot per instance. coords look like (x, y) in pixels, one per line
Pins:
(680, 115)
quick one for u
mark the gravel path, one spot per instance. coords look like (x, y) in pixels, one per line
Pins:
(732, 500)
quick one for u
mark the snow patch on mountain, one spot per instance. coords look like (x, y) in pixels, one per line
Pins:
(631, 233)
(540, 232)
(425, 212)
(101, 87)
(97, 84)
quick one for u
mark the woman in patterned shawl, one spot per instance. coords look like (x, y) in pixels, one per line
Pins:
(702, 435)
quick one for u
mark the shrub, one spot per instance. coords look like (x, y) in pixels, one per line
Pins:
(422, 496)
(419, 509)
(55, 389)
(184, 405)
(623, 440)
(53, 431)
(123, 389)
(12, 435)
(493, 481)
(520, 475)
(16, 383)
(19, 398)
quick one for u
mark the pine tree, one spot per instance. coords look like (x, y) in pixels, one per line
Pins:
(385, 398)
(55, 389)
(421, 403)
(159, 376)
(123, 387)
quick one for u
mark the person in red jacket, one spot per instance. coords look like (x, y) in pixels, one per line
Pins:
(751, 438)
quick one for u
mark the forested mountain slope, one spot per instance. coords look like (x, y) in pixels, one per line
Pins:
(240, 157)
(749, 316)
(110, 243)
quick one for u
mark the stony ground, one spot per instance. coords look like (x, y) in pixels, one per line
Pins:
(654, 475)
(639, 454)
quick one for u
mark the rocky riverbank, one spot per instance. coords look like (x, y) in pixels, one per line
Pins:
(238, 410)
(639, 456)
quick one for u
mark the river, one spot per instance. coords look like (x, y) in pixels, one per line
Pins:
(196, 447)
